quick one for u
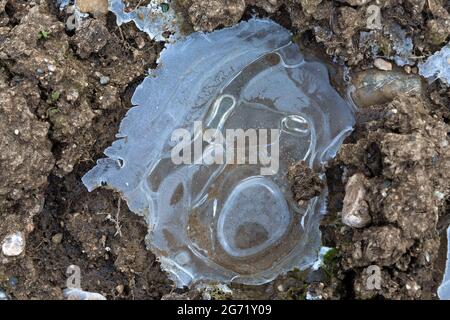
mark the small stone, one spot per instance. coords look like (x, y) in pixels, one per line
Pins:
(39, 71)
(104, 80)
(57, 238)
(72, 95)
(51, 68)
(78, 294)
(355, 212)
(407, 69)
(140, 42)
(13, 244)
(16, 132)
(93, 6)
(120, 288)
(382, 64)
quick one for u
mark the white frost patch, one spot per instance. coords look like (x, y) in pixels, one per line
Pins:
(157, 19)
(437, 66)
(319, 262)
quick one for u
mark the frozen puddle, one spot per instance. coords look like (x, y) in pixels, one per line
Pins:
(227, 222)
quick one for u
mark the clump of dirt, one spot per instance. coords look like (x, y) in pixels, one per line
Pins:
(399, 152)
(64, 92)
(306, 184)
(352, 31)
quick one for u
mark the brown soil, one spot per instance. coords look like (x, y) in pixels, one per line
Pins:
(64, 93)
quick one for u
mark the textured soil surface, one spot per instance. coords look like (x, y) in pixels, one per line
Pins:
(64, 92)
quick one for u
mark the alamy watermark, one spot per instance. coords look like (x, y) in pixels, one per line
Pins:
(373, 281)
(238, 146)
(73, 280)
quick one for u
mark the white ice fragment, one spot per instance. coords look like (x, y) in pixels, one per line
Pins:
(310, 296)
(444, 288)
(158, 19)
(227, 222)
(437, 66)
(13, 244)
(78, 294)
(319, 262)
(402, 45)
(62, 3)
(3, 295)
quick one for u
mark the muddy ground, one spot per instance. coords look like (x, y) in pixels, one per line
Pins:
(64, 92)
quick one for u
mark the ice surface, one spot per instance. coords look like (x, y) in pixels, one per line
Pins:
(444, 288)
(227, 222)
(402, 45)
(157, 19)
(437, 66)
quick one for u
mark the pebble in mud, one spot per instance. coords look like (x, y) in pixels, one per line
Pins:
(376, 87)
(355, 212)
(57, 238)
(93, 6)
(13, 244)
(382, 64)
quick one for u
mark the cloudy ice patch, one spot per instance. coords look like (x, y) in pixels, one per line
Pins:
(157, 19)
(226, 222)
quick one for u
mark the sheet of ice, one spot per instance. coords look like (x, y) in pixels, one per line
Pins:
(437, 66)
(444, 288)
(227, 222)
(157, 19)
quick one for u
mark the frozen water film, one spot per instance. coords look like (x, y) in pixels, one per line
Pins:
(227, 222)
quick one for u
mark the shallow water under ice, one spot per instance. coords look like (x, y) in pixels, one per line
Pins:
(227, 222)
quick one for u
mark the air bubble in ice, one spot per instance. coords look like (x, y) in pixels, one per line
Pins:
(227, 222)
